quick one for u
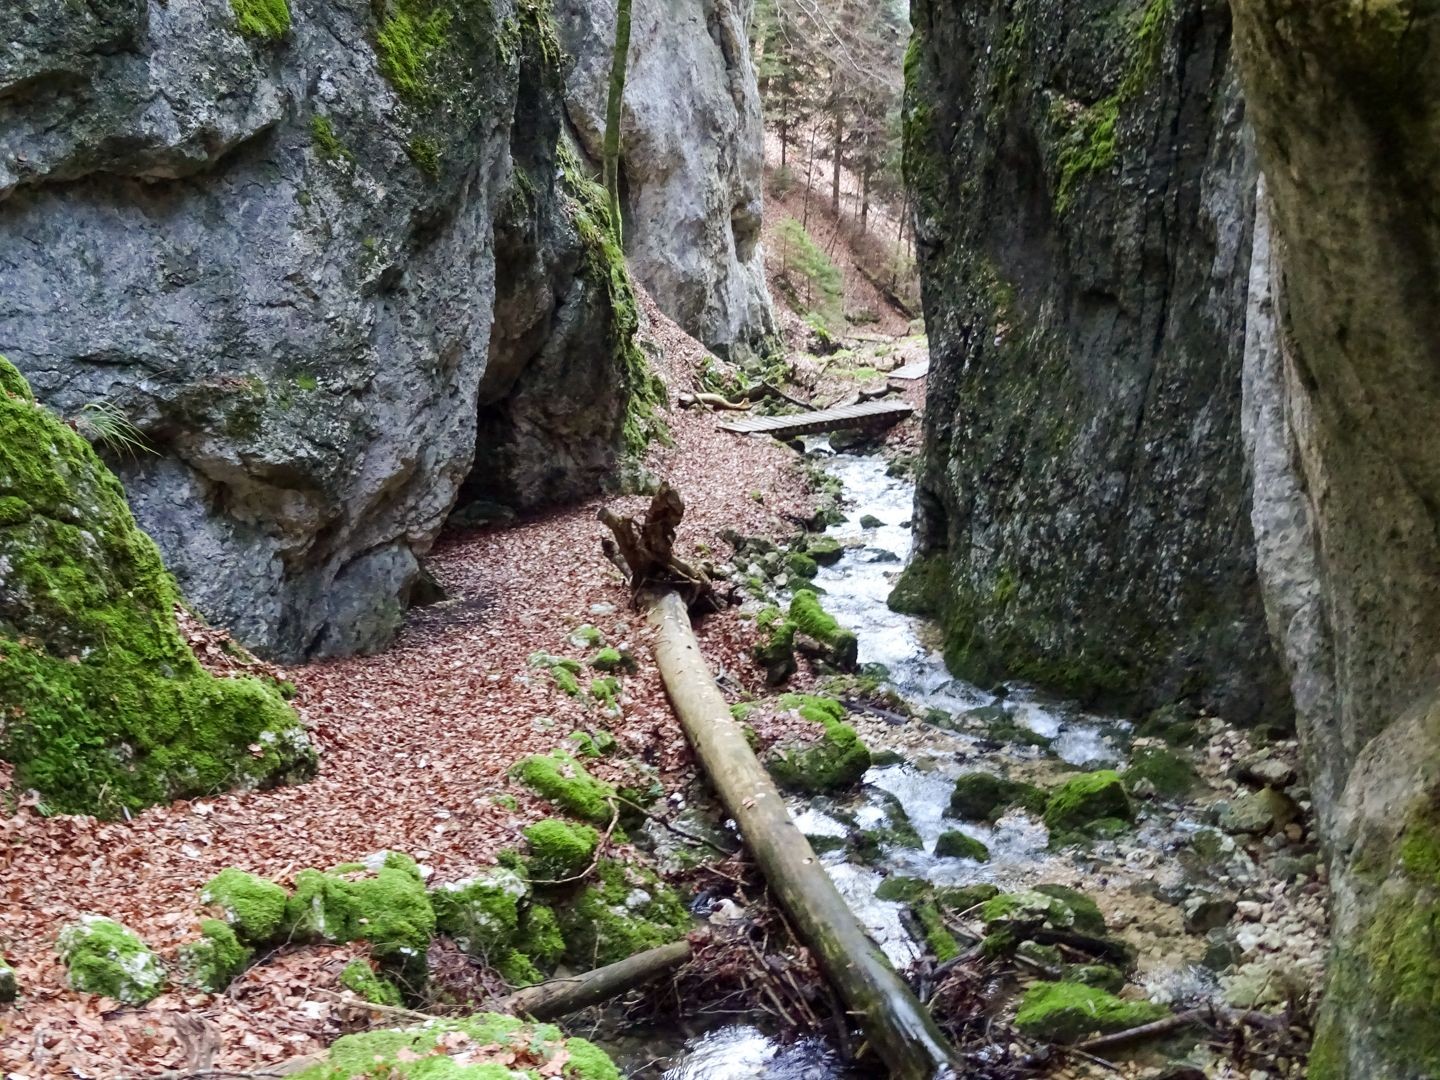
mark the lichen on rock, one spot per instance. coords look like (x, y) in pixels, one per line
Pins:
(108, 708)
(103, 957)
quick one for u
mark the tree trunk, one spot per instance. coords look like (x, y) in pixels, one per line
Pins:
(896, 1024)
(613, 111)
(559, 997)
(835, 163)
(865, 195)
(809, 175)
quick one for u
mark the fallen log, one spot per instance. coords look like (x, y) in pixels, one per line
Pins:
(558, 997)
(894, 1021)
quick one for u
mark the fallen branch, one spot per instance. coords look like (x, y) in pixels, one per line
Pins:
(714, 401)
(561, 996)
(1144, 1031)
(895, 1023)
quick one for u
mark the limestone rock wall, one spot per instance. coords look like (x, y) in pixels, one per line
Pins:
(1083, 183)
(692, 156)
(270, 240)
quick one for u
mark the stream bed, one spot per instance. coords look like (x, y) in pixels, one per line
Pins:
(1138, 879)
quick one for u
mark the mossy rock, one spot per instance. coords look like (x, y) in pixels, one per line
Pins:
(9, 983)
(484, 1047)
(107, 707)
(253, 906)
(557, 776)
(837, 760)
(775, 652)
(1173, 724)
(1170, 774)
(1101, 976)
(214, 960)
(1088, 917)
(559, 849)
(540, 938)
(958, 899)
(954, 844)
(588, 744)
(587, 637)
(625, 910)
(902, 889)
(980, 796)
(382, 901)
(103, 957)
(614, 660)
(361, 979)
(801, 564)
(842, 647)
(825, 550)
(1067, 1012)
(1023, 912)
(870, 521)
(481, 913)
(1086, 799)
(605, 691)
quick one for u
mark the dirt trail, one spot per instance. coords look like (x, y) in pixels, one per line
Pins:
(416, 743)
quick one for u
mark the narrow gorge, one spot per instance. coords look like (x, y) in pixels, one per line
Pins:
(1034, 404)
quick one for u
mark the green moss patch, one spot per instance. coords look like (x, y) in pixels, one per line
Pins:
(838, 760)
(106, 707)
(1086, 799)
(214, 960)
(559, 850)
(103, 957)
(253, 906)
(264, 20)
(360, 978)
(614, 660)
(1064, 1012)
(1087, 916)
(903, 889)
(482, 913)
(775, 652)
(559, 777)
(1169, 773)
(626, 910)
(816, 623)
(484, 1047)
(1101, 976)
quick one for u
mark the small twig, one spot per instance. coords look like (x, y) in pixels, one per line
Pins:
(674, 828)
(370, 1006)
(1144, 1031)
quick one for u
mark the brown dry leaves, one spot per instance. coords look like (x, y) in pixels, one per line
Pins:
(416, 743)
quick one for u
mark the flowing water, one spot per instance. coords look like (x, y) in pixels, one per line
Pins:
(856, 589)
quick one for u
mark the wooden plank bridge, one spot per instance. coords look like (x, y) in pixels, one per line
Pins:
(867, 414)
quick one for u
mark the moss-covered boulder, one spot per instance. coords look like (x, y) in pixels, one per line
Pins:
(559, 849)
(1164, 771)
(484, 1047)
(103, 957)
(253, 906)
(614, 660)
(481, 913)
(9, 983)
(1086, 799)
(841, 646)
(1066, 1012)
(540, 938)
(381, 900)
(825, 550)
(107, 708)
(961, 899)
(625, 910)
(361, 979)
(1088, 918)
(837, 759)
(213, 960)
(775, 651)
(902, 889)
(1023, 912)
(559, 777)
(954, 844)
(981, 796)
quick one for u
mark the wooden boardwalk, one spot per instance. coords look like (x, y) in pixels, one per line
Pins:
(865, 415)
(918, 370)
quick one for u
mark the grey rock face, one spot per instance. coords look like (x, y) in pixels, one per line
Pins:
(1083, 184)
(283, 269)
(692, 156)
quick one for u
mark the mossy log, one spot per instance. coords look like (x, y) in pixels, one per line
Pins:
(559, 997)
(897, 1025)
